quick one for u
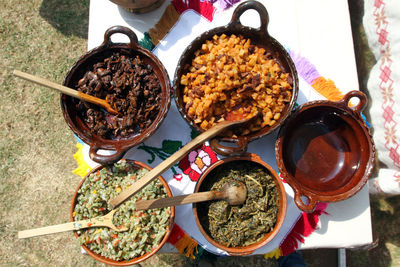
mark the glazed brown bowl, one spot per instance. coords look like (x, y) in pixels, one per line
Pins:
(259, 37)
(204, 184)
(139, 6)
(325, 151)
(136, 260)
(75, 119)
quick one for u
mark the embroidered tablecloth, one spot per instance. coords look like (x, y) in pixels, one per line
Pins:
(382, 22)
(318, 36)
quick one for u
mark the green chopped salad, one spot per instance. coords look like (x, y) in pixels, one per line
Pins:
(246, 224)
(146, 228)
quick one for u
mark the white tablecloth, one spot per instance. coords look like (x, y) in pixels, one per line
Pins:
(318, 30)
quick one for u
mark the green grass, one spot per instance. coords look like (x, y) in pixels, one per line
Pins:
(44, 38)
(36, 145)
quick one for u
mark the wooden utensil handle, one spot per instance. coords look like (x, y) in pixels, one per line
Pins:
(47, 230)
(166, 164)
(47, 83)
(178, 200)
(65, 90)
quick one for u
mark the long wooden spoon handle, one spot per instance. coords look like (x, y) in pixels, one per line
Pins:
(65, 90)
(47, 83)
(49, 229)
(178, 200)
(105, 220)
(166, 164)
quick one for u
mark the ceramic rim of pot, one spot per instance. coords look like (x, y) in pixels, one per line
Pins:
(245, 250)
(136, 260)
(259, 37)
(139, 7)
(82, 65)
(348, 190)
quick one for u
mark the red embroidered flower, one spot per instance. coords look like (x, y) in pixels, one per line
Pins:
(197, 161)
(178, 177)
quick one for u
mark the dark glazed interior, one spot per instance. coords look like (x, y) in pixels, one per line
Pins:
(325, 150)
(74, 119)
(322, 150)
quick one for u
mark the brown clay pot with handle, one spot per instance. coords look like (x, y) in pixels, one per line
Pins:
(74, 119)
(259, 37)
(325, 151)
(136, 260)
(207, 178)
(139, 6)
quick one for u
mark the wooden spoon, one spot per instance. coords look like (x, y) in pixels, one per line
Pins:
(234, 194)
(105, 220)
(166, 164)
(66, 90)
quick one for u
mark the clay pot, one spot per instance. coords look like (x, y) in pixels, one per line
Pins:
(206, 180)
(325, 151)
(259, 37)
(133, 261)
(139, 6)
(98, 54)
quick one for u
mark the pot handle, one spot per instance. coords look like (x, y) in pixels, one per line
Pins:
(360, 95)
(241, 146)
(105, 159)
(312, 202)
(120, 29)
(262, 11)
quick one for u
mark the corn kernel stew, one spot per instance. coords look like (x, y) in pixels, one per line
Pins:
(231, 75)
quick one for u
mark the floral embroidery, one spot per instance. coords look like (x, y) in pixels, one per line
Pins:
(387, 94)
(168, 148)
(380, 19)
(178, 177)
(390, 135)
(386, 56)
(386, 84)
(197, 161)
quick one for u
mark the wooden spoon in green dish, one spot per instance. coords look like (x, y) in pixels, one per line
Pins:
(102, 221)
(234, 120)
(233, 193)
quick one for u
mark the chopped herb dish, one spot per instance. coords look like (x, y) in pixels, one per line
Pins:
(242, 225)
(146, 229)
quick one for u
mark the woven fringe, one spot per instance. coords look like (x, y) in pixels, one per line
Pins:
(303, 228)
(183, 242)
(164, 25)
(204, 8)
(225, 4)
(309, 73)
(83, 167)
(304, 67)
(273, 254)
(172, 14)
(146, 42)
(327, 88)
